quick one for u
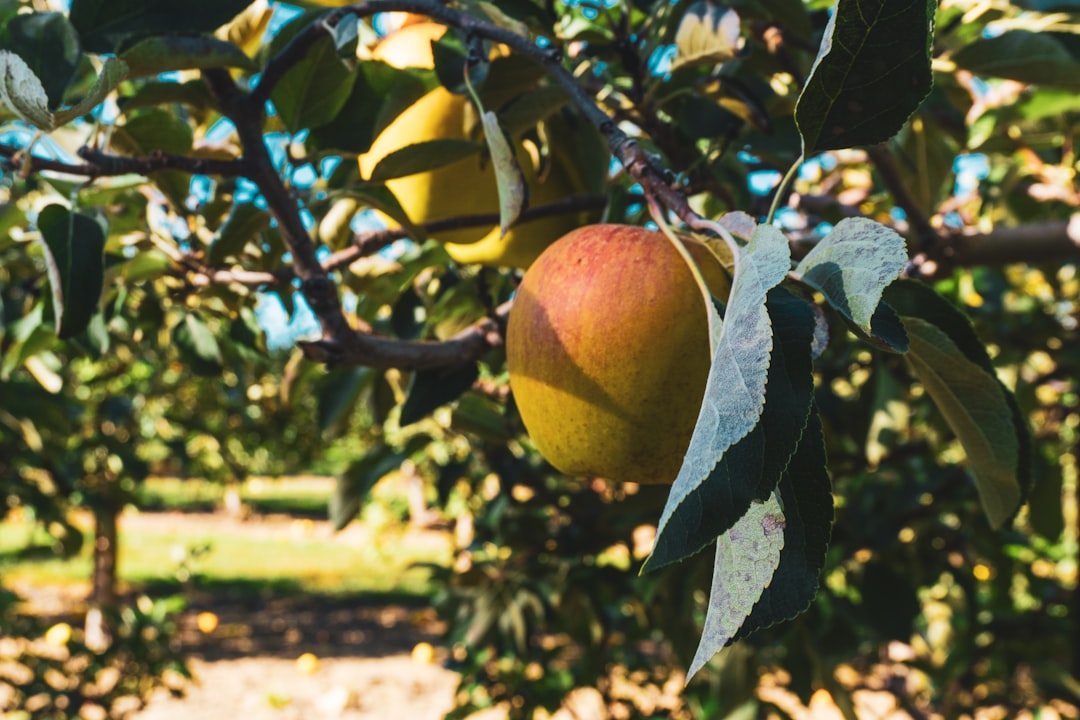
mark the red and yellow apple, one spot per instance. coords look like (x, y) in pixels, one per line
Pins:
(608, 351)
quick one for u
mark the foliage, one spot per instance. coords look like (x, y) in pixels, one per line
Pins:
(151, 201)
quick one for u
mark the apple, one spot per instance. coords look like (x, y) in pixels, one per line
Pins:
(468, 186)
(607, 347)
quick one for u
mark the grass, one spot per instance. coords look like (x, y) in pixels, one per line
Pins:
(298, 496)
(199, 552)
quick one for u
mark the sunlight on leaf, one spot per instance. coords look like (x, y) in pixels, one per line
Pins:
(507, 173)
(976, 407)
(747, 556)
(852, 266)
(742, 344)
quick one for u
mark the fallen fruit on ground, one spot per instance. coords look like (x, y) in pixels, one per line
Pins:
(468, 186)
(608, 351)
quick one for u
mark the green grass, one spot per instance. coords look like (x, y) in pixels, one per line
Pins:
(163, 552)
(300, 496)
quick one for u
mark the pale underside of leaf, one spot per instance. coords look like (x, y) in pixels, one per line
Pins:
(22, 91)
(747, 556)
(741, 344)
(853, 264)
(510, 181)
(975, 407)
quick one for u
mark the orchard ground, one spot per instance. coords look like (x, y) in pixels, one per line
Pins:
(273, 584)
(262, 590)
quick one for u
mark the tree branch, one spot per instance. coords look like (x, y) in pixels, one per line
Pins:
(467, 346)
(315, 283)
(99, 164)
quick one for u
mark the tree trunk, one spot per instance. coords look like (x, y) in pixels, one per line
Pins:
(103, 580)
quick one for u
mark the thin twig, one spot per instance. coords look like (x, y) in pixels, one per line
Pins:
(99, 164)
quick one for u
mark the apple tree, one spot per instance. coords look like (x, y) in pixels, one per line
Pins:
(890, 186)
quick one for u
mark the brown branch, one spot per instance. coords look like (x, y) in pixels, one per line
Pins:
(467, 346)
(315, 283)
(1042, 242)
(99, 164)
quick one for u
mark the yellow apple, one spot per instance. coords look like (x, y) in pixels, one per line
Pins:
(608, 351)
(468, 186)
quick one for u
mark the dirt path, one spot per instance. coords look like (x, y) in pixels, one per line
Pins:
(266, 688)
(246, 667)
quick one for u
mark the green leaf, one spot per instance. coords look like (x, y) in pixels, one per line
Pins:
(421, 157)
(157, 129)
(976, 406)
(1022, 55)
(22, 92)
(382, 199)
(852, 265)
(106, 26)
(751, 468)
(807, 499)
(380, 93)
(156, 55)
(890, 416)
(747, 556)
(870, 75)
(50, 47)
(198, 345)
(113, 71)
(315, 89)
(431, 389)
(914, 299)
(153, 129)
(75, 260)
(510, 181)
(337, 394)
(741, 348)
(245, 221)
(355, 483)
(192, 93)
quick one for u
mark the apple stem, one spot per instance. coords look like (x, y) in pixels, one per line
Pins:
(782, 188)
(658, 215)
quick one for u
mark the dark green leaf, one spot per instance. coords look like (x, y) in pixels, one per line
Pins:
(106, 26)
(431, 389)
(380, 92)
(808, 515)
(872, 72)
(155, 129)
(174, 52)
(49, 45)
(192, 93)
(355, 483)
(75, 259)
(451, 58)
(198, 345)
(751, 468)
(314, 89)
(1022, 55)
(421, 157)
(914, 299)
